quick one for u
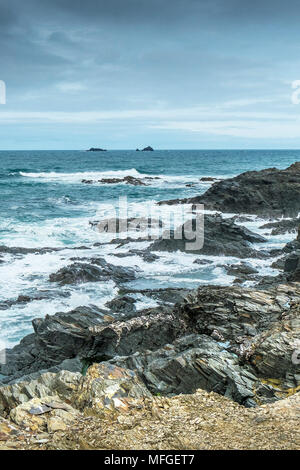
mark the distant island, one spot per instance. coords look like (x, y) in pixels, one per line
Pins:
(95, 149)
(146, 149)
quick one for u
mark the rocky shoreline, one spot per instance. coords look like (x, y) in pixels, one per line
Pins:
(236, 347)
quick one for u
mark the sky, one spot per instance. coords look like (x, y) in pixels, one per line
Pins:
(174, 74)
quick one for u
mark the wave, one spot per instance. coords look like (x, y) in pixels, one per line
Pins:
(95, 176)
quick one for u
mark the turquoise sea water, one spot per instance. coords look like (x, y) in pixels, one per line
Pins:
(43, 203)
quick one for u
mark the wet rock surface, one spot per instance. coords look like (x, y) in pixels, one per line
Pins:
(96, 270)
(219, 236)
(267, 193)
(224, 339)
(282, 226)
(127, 180)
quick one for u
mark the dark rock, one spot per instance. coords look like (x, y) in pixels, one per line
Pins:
(93, 149)
(243, 271)
(208, 179)
(267, 193)
(97, 270)
(122, 304)
(226, 339)
(148, 149)
(127, 179)
(190, 363)
(282, 226)
(117, 225)
(221, 237)
(202, 262)
(169, 295)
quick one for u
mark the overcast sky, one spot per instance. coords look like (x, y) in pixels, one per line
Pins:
(168, 73)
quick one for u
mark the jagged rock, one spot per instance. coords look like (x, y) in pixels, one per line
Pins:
(218, 325)
(220, 237)
(127, 179)
(122, 304)
(117, 225)
(62, 384)
(88, 334)
(282, 226)
(208, 179)
(97, 270)
(267, 193)
(273, 350)
(148, 149)
(55, 418)
(202, 262)
(194, 362)
(106, 386)
(242, 271)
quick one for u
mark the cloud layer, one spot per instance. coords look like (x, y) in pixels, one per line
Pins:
(171, 73)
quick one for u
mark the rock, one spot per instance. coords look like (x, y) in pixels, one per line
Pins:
(267, 193)
(208, 179)
(127, 179)
(202, 262)
(213, 338)
(52, 420)
(242, 271)
(15, 250)
(292, 262)
(169, 295)
(282, 226)
(117, 225)
(148, 149)
(221, 237)
(272, 354)
(61, 384)
(10, 434)
(106, 386)
(122, 304)
(87, 334)
(97, 270)
(194, 362)
(39, 295)
(93, 149)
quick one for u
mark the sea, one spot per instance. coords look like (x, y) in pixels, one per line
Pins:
(45, 204)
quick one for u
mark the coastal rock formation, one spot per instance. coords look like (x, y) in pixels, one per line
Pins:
(224, 339)
(108, 387)
(96, 270)
(267, 193)
(282, 226)
(127, 179)
(199, 421)
(61, 384)
(49, 414)
(220, 237)
(95, 149)
(148, 149)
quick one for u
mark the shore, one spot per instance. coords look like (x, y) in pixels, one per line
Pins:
(230, 352)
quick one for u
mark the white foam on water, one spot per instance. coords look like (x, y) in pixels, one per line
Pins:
(79, 176)
(16, 321)
(172, 181)
(20, 275)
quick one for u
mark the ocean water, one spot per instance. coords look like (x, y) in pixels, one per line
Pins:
(43, 203)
